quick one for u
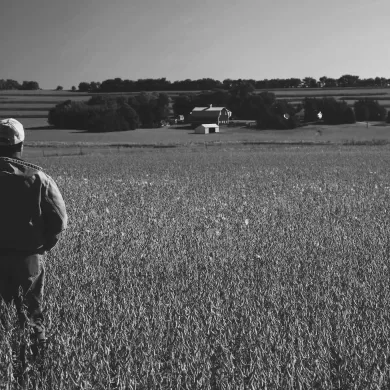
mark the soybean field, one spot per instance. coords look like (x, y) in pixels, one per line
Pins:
(236, 267)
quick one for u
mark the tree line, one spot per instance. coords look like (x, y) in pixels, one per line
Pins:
(111, 113)
(10, 84)
(162, 84)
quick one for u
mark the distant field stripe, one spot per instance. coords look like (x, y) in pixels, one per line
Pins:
(329, 90)
(369, 97)
(25, 114)
(44, 93)
(383, 102)
(37, 100)
(34, 122)
(293, 99)
(13, 102)
(2, 108)
(302, 95)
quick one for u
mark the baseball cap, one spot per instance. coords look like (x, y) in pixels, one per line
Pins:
(11, 132)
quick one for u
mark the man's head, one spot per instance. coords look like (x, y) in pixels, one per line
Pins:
(11, 138)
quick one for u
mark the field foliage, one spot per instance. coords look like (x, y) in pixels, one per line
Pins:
(222, 268)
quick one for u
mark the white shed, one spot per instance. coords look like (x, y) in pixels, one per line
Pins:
(207, 129)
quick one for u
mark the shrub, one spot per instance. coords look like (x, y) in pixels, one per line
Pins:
(29, 85)
(113, 118)
(369, 110)
(99, 100)
(59, 88)
(107, 120)
(350, 115)
(130, 115)
(272, 116)
(152, 108)
(84, 86)
(69, 115)
(9, 84)
(312, 107)
(105, 117)
(334, 112)
(293, 122)
(145, 109)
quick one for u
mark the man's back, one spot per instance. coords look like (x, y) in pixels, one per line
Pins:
(31, 206)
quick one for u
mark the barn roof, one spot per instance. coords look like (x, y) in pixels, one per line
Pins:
(208, 109)
(205, 114)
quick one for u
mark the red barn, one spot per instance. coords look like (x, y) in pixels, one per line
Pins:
(217, 115)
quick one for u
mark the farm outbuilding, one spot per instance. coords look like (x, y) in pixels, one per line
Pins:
(217, 115)
(207, 128)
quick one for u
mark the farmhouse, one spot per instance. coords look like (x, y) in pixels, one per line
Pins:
(207, 128)
(217, 115)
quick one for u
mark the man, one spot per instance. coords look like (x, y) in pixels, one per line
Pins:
(32, 217)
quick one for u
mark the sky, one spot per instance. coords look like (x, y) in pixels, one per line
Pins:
(56, 42)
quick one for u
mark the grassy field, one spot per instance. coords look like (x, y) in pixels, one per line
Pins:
(238, 267)
(30, 107)
(179, 136)
(24, 113)
(336, 92)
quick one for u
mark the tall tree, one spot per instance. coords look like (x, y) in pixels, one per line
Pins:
(309, 82)
(84, 86)
(183, 105)
(348, 80)
(30, 85)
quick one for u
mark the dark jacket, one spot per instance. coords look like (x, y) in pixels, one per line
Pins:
(32, 210)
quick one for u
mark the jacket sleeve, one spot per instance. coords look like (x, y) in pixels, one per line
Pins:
(53, 210)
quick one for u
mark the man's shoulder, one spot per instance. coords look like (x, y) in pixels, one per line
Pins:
(26, 168)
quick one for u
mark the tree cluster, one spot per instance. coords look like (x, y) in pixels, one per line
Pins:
(93, 118)
(107, 113)
(278, 115)
(369, 110)
(333, 112)
(337, 112)
(151, 108)
(162, 84)
(15, 85)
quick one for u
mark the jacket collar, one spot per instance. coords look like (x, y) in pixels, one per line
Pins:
(19, 161)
